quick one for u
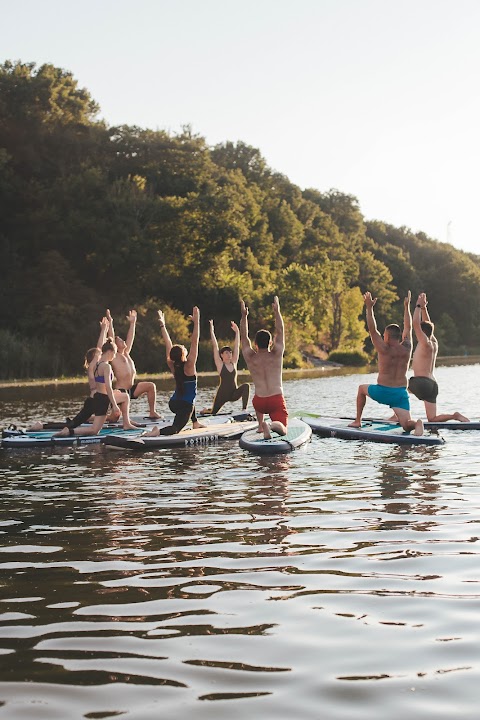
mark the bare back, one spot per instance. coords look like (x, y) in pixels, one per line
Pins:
(424, 358)
(393, 362)
(265, 367)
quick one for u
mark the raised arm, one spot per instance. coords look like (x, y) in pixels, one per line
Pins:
(216, 354)
(111, 331)
(132, 320)
(244, 339)
(279, 342)
(165, 337)
(103, 332)
(96, 355)
(236, 344)
(420, 309)
(376, 337)
(424, 309)
(407, 319)
(193, 353)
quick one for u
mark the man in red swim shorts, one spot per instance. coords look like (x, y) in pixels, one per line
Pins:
(265, 363)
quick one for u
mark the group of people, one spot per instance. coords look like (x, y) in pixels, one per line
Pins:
(108, 363)
(111, 373)
(264, 361)
(394, 354)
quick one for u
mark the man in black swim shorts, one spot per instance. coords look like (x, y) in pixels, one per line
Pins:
(423, 383)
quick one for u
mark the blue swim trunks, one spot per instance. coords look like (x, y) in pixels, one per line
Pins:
(395, 397)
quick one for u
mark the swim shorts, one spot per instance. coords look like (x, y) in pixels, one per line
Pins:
(274, 406)
(424, 388)
(395, 397)
(129, 392)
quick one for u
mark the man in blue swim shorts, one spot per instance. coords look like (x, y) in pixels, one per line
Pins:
(394, 352)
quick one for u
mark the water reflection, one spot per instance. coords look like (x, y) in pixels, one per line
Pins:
(340, 576)
(407, 481)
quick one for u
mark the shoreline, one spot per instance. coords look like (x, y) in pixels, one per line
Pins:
(289, 373)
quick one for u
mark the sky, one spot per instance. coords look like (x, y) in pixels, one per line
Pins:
(378, 99)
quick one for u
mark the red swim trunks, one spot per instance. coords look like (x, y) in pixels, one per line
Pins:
(273, 406)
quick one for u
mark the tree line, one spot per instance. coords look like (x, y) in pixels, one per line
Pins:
(96, 216)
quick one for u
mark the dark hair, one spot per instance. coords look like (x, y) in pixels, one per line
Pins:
(224, 349)
(89, 355)
(109, 345)
(394, 331)
(176, 355)
(427, 328)
(263, 339)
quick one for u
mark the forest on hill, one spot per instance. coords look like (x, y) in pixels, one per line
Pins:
(94, 216)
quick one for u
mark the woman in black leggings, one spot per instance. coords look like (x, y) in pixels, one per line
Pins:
(183, 367)
(226, 361)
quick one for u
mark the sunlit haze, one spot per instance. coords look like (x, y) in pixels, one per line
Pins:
(376, 98)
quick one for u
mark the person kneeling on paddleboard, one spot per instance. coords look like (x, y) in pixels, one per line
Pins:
(265, 364)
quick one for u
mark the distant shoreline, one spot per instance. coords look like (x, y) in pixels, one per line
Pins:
(288, 374)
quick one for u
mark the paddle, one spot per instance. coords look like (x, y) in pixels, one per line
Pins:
(302, 413)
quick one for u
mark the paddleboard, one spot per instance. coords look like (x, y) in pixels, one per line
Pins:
(298, 434)
(48, 439)
(50, 428)
(448, 425)
(191, 437)
(371, 430)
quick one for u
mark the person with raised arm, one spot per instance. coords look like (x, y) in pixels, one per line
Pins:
(125, 371)
(183, 366)
(91, 356)
(226, 361)
(394, 352)
(423, 383)
(265, 363)
(104, 395)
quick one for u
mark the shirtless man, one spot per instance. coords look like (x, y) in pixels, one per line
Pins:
(423, 384)
(124, 368)
(265, 365)
(394, 352)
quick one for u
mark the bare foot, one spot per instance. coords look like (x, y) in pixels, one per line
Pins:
(197, 426)
(113, 419)
(355, 424)
(461, 418)
(266, 431)
(35, 427)
(155, 416)
(418, 427)
(129, 426)
(205, 411)
(154, 432)
(64, 432)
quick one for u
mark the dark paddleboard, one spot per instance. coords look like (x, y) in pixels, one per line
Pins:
(202, 436)
(298, 434)
(371, 430)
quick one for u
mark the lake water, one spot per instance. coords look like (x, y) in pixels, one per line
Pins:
(341, 581)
